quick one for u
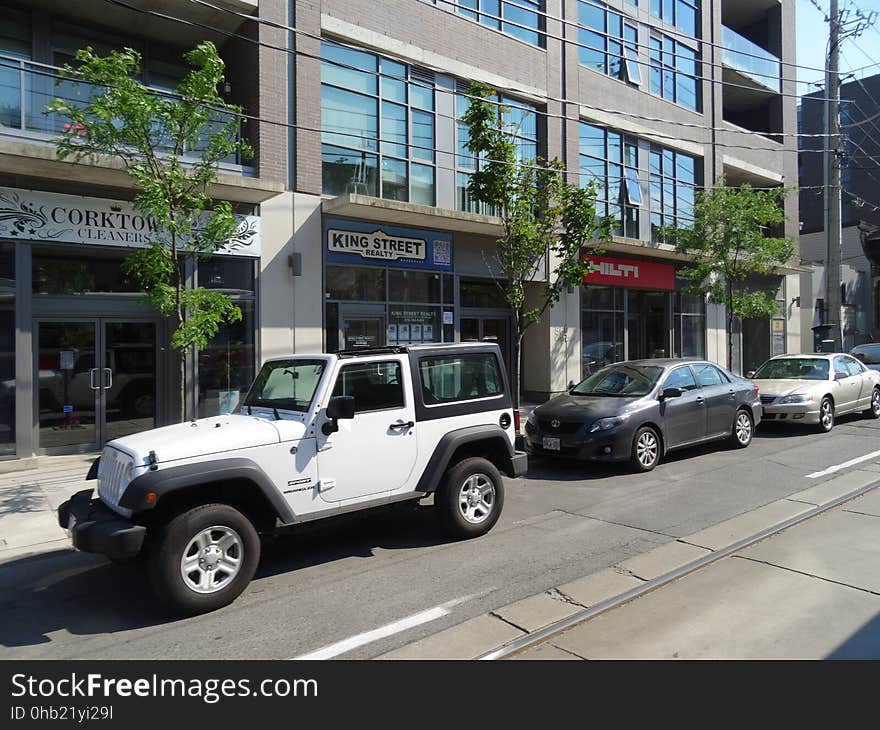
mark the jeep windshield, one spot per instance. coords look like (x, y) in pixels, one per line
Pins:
(621, 381)
(286, 384)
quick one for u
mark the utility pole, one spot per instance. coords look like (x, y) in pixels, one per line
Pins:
(832, 180)
(848, 24)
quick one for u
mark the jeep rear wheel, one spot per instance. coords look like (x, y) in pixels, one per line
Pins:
(204, 558)
(470, 497)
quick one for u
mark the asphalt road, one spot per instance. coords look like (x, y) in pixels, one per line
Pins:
(338, 580)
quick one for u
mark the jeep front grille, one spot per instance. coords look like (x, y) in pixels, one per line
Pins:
(114, 477)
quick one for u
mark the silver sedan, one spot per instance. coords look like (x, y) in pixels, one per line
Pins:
(815, 389)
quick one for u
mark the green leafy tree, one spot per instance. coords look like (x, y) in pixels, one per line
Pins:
(170, 145)
(730, 250)
(549, 224)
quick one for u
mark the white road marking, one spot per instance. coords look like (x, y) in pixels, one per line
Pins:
(844, 465)
(395, 627)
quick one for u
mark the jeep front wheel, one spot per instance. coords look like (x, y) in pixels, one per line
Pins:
(470, 498)
(204, 558)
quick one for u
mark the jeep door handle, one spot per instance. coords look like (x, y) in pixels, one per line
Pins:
(402, 424)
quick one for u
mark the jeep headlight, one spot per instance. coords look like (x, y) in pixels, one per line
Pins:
(606, 424)
(789, 399)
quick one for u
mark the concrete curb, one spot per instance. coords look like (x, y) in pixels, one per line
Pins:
(512, 623)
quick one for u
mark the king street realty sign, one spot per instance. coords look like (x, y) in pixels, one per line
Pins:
(39, 216)
(350, 241)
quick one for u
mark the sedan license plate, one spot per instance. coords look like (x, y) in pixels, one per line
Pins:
(551, 444)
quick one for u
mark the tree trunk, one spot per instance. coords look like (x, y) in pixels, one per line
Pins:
(516, 367)
(729, 326)
(182, 386)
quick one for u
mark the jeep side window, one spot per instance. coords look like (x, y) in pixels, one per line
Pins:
(460, 377)
(376, 386)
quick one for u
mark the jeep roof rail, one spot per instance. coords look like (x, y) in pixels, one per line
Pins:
(417, 347)
(363, 351)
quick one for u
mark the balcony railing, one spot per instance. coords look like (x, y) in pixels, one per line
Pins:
(752, 60)
(27, 87)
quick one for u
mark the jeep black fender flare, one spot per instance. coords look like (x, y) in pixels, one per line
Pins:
(171, 479)
(498, 450)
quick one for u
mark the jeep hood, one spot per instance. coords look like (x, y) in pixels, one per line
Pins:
(215, 435)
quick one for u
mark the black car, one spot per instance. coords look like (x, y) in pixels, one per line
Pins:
(638, 410)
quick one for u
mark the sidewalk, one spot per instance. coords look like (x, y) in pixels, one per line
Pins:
(811, 591)
(29, 498)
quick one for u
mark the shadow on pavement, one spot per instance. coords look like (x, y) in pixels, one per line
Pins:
(863, 644)
(84, 594)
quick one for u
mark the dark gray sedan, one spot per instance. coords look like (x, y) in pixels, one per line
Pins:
(639, 410)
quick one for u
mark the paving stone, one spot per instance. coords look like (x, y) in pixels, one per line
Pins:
(599, 586)
(838, 487)
(535, 612)
(739, 528)
(663, 559)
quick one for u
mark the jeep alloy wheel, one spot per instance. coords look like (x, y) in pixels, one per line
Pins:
(470, 497)
(204, 558)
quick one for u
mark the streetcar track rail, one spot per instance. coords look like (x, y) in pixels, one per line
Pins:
(520, 644)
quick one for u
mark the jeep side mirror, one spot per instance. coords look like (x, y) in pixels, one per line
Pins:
(340, 406)
(670, 393)
(750, 374)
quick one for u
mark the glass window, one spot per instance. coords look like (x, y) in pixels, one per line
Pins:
(7, 348)
(234, 276)
(868, 354)
(675, 70)
(375, 386)
(413, 286)
(610, 160)
(356, 283)
(606, 43)
(710, 375)
(621, 381)
(226, 365)
(683, 14)
(794, 368)
(286, 384)
(340, 66)
(674, 178)
(601, 327)
(481, 293)
(461, 377)
(347, 171)
(681, 378)
(519, 18)
(394, 118)
(72, 275)
(853, 366)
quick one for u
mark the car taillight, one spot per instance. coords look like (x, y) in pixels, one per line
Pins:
(516, 420)
(757, 391)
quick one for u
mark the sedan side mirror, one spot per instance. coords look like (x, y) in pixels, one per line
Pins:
(670, 393)
(340, 406)
(840, 376)
(750, 374)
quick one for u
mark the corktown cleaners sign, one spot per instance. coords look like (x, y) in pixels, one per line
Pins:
(374, 243)
(39, 216)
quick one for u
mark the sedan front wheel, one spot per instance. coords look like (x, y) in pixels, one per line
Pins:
(826, 415)
(645, 449)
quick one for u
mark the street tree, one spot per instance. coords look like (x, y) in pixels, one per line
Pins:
(549, 225)
(732, 252)
(170, 144)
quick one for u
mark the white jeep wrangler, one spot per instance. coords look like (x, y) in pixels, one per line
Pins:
(316, 436)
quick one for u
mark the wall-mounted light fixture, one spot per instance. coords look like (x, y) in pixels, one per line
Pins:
(294, 261)
(796, 301)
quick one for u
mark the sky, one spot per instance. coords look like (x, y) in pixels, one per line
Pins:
(812, 41)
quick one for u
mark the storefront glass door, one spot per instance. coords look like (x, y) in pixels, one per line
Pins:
(97, 382)
(487, 329)
(362, 332)
(648, 324)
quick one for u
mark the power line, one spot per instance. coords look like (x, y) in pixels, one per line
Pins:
(621, 56)
(514, 91)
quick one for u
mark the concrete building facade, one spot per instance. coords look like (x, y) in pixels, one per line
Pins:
(364, 232)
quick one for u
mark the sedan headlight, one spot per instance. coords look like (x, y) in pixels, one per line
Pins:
(606, 424)
(789, 399)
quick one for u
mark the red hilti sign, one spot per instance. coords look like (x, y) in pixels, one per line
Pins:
(634, 274)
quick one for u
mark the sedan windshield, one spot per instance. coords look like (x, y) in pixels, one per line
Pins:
(625, 381)
(794, 368)
(286, 384)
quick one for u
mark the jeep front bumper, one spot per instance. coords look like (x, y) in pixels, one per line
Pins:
(94, 528)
